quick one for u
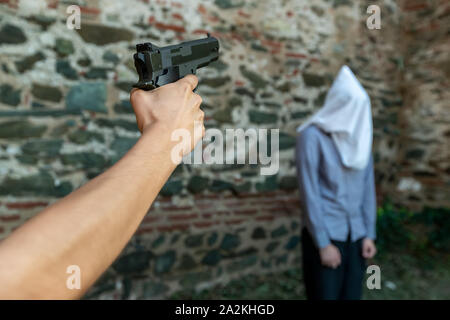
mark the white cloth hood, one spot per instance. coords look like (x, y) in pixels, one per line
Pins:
(347, 116)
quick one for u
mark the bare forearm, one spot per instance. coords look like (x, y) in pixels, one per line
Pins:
(88, 228)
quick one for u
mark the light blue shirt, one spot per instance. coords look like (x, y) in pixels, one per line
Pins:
(336, 200)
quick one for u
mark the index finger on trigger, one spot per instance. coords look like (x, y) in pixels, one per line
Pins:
(191, 80)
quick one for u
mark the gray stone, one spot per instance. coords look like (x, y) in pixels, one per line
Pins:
(194, 241)
(122, 123)
(245, 92)
(87, 96)
(10, 34)
(124, 106)
(64, 47)
(187, 262)
(64, 67)
(288, 183)
(83, 136)
(223, 115)
(215, 82)
(338, 3)
(313, 80)
(273, 105)
(21, 129)
(279, 232)
(258, 233)
(286, 141)
(191, 280)
(285, 87)
(45, 147)
(97, 73)
(292, 243)
(164, 262)
(243, 264)
(45, 92)
(9, 95)
(124, 85)
(300, 114)
(220, 185)
(134, 262)
(38, 113)
(320, 100)
(121, 145)
(85, 160)
(230, 242)
(281, 259)
(158, 241)
(41, 184)
(260, 117)
(234, 102)
(154, 289)
(242, 187)
(197, 184)
(84, 62)
(317, 10)
(110, 56)
(172, 188)
(258, 47)
(212, 238)
(415, 154)
(272, 246)
(42, 20)
(256, 80)
(27, 159)
(228, 4)
(28, 62)
(219, 65)
(212, 258)
(270, 184)
(101, 34)
(391, 103)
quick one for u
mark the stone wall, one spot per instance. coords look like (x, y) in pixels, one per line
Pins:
(423, 159)
(65, 117)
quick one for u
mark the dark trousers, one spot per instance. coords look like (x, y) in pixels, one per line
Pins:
(324, 283)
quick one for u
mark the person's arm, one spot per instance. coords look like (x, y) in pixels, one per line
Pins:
(369, 210)
(91, 226)
(307, 162)
(369, 205)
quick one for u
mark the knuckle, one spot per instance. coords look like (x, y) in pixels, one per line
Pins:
(136, 95)
(198, 99)
(184, 86)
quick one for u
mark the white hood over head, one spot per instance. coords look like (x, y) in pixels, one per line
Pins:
(346, 115)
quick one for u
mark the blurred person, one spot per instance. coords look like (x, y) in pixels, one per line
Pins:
(90, 227)
(336, 180)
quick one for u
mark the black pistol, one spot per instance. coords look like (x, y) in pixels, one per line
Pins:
(159, 66)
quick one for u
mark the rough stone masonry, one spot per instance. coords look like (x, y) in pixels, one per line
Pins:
(65, 117)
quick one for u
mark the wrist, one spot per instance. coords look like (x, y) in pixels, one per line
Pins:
(156, 138)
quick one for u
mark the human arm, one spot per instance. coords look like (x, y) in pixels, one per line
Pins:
(91, 226)
(369, 210)
(308, 161)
